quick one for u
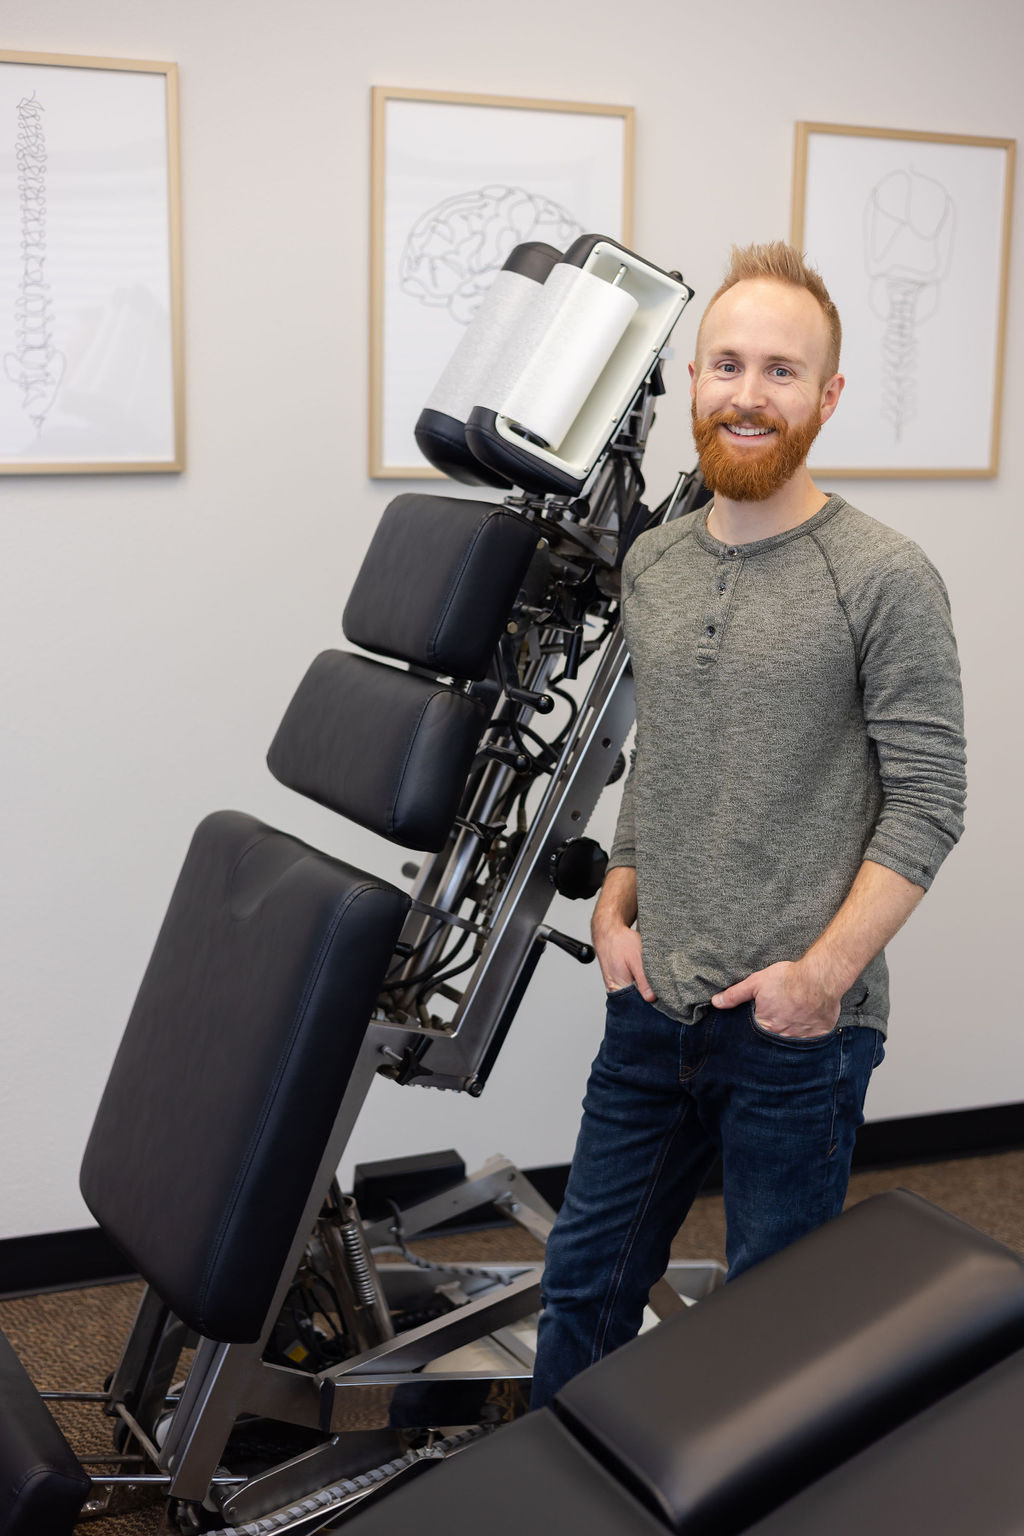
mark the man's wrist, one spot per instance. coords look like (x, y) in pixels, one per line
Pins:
(606, 923)
(823, 974)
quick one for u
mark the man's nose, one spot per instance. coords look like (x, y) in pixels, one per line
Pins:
(749, 393)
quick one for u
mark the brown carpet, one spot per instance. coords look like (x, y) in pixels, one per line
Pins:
(72, 1339)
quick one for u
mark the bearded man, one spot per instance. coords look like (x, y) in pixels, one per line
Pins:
(798, 779)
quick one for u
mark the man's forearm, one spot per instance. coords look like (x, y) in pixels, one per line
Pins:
(876, 906)
(619, 950)
(803, 997)
(616, 905)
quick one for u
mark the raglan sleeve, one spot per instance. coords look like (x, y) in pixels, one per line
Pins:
(623, 853)
(624, 842)
(913, 708)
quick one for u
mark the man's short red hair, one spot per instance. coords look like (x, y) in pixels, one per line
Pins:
(784, 264)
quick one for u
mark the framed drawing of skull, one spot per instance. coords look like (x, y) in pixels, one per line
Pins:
(911, 232)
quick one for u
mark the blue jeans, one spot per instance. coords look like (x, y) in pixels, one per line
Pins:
(663, 1101)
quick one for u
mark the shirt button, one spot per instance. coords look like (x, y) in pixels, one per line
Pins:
(730, 551)
(721, 586)
(710, 629)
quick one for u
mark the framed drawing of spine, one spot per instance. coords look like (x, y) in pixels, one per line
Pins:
(90, 266)
(911, 232)
(457, 182)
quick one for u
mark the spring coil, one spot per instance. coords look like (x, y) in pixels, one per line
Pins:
(357, 1262)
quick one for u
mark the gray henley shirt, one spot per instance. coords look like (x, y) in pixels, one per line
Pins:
(798, 710)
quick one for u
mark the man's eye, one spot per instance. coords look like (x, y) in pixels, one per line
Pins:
(727, 368)
(781, 373)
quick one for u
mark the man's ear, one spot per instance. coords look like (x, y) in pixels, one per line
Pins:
(693, 378)
(830, 396)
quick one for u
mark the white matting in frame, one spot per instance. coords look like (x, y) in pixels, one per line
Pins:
(458, 181)
(911, 232)
(90, 269)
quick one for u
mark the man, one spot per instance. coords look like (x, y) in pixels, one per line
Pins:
(798, 779)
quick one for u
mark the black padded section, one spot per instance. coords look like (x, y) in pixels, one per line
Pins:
(438, 583)
(956, 1470)
(521, 465)
(528, 1479)
(42, 1484)
(532, 259)
(383, 747)
(442, 441)
(731, 1407)
(226, 1085)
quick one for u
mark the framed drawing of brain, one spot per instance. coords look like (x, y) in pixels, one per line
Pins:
(458, 181)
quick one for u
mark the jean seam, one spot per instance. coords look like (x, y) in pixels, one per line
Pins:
(687, 1074)
(625, 1252)
(828, 1160)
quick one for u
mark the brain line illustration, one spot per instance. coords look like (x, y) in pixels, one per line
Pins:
(454, 249)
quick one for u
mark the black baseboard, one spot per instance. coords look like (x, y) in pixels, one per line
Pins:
(882, 1144)
(933, 1138)
(56, 1261)
(60, 1261)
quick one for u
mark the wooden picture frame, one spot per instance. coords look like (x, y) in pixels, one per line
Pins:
(91, 338)
(911, 232)
(457, 181)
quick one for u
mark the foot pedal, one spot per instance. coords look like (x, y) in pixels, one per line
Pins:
(42, 1483)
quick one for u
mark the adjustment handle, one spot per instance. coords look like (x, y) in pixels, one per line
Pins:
(543, 703)
(584, 953)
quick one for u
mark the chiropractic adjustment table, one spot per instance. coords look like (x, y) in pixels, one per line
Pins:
(479, 721)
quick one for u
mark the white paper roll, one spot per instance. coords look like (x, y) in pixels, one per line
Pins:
(570, 357)
(481, 370)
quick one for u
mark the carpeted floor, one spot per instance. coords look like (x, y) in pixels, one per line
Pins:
(72, 1339)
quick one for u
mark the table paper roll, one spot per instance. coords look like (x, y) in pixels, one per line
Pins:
(584, 331)
(486, 362)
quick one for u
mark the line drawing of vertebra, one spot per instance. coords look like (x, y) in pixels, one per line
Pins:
(454, 249)
(909, 224)
(36, 366)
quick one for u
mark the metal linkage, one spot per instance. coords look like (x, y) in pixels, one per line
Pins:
(497, 876)
(308, 1515)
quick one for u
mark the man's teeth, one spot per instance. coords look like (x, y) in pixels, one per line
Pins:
(750, 431)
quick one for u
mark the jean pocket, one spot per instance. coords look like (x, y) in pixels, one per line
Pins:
(620, 991)
(791, 1042)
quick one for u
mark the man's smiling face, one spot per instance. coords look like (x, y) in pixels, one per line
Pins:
(759, 395)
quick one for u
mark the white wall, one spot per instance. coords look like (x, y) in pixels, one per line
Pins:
(154, 627)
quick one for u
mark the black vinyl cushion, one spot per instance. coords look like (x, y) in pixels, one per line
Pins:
(442, 441)
(729, 1408)
(516, 460)
(42, 1484)
(386, 748)
(438, 583)
(226, 1085)
(956, 1470)
(529, 1479)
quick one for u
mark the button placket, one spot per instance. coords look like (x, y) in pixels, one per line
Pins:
(721, 594)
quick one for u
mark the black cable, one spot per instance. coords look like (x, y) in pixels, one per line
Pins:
(407, 955)
(435, 981)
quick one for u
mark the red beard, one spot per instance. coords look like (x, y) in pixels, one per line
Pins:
(750, 474)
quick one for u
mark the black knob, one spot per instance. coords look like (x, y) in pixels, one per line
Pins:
(576, 869)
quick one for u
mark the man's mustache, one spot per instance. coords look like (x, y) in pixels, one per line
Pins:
(735, 418)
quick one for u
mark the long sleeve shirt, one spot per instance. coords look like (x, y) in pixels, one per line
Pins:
(798, 711)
